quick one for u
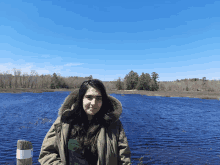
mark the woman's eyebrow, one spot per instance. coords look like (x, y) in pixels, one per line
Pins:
(93, 95)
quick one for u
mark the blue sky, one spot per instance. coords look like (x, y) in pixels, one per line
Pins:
(107, 39)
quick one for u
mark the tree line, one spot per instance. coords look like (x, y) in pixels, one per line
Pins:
(55, 81)
(143, 82)
(131, 81)
(36, 81)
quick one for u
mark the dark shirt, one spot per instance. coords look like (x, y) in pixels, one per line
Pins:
(76, 156)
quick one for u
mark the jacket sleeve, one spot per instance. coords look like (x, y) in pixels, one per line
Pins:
(49, 154)
(123, 148)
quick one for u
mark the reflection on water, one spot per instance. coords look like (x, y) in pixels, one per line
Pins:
(160, 130)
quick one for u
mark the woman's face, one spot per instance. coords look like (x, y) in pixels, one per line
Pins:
(92, 102)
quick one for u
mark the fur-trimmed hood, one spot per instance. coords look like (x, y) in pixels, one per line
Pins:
(68, 106)
(112, 144)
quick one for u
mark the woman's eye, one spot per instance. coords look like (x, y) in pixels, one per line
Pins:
(97, 98)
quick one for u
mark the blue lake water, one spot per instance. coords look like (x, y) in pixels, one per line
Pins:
(161, 130)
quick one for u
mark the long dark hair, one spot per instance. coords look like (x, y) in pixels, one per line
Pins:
(87, 135)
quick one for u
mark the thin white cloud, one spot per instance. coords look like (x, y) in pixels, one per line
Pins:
(24, 68)
(72, 64)
(28, 68)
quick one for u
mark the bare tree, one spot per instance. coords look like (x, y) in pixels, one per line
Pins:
(1, 80)
(48, 80)
(31, 79)
(4, 81)
(42, 81)
(15, 78)
(19, 76)
(10, 81)
(25, 80)
(90, 77)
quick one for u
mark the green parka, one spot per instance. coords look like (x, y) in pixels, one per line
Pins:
(112, 144)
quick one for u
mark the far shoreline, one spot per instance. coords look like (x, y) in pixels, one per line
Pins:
(189, 94)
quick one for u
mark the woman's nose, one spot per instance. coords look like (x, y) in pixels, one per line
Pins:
(93, 102)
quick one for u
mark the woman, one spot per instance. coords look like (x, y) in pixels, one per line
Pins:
(87, 131)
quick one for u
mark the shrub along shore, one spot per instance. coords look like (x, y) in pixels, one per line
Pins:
(190, 94)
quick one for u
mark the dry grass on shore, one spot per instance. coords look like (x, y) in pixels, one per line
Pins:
(190, 94)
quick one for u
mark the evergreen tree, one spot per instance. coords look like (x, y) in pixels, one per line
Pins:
(55, 82)
(144, 82)
(119, 84)
(131, 80)
(154, 83)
